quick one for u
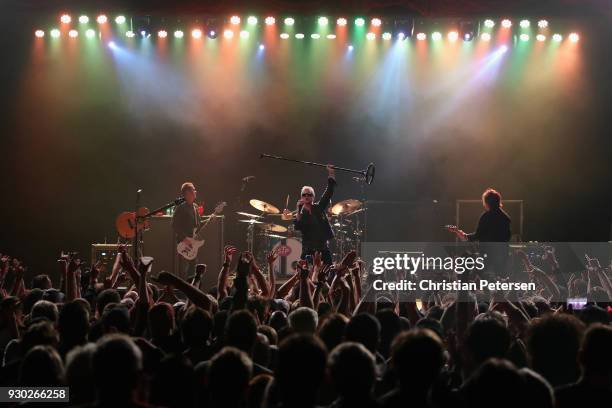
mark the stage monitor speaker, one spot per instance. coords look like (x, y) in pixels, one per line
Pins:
(159, 243)
(468, 213)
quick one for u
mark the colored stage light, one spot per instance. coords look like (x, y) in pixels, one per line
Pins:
(524, 23)
(359, 22)
(90, 33)
(489, 23)
(162, 33)
(83, 19)
(371, 36)
(331, 36)
(376, 22)
(284, 36)
(178, 34)
(299, 36)
(469, 36)
(315, 36)
(252, 20)
(436, 36)
(401, 36)
(557, 37)
(111, 44)
(386, 36)
(196, 33)
(541, 37)
(39, 33)
(270, 20)
(244, 34)
(212, 34)
(421, 36)
(503, 48)
(506, 23)
(573, 37)
(350, 48)
(129, 34)
(453, 35)
(55, 33)
(65, 19)
(73, 33)
(228, 34)
(323, 21)
(289, 21)
(102, 19)
(524, 37)
(235, 20)
(261, 47)
(145, 34)
(120, 19)
(341, 21)
(542, 23)
(485, 37)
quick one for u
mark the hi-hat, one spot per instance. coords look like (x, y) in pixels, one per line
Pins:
(346, 206)
(246, 214)
(273, 227)
(263, 206)
(275, 236)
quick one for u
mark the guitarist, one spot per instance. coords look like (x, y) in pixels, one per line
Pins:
(186, 217)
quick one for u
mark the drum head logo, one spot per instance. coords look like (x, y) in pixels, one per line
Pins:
(283, 250)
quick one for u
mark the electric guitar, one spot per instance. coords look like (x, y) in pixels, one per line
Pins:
(189, 249)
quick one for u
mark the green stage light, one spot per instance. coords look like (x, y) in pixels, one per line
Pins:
(359, 22)
(323, 21)
(55, 33)
(489, 23)
(252, 20)
(83, 19)
(90, 33)
(120, 19)
(289, 21)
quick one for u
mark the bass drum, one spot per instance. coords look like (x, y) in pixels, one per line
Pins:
(289, 251)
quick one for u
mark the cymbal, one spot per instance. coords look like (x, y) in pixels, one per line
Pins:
(275, 236)
(346, 206)
(263, 206)
(274, 227)
(251, 221)
(246, 214)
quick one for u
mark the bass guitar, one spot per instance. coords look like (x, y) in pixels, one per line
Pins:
(189, 247)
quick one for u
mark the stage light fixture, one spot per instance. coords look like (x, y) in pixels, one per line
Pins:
(130, 34)
(468, 36)
(55, 33)
(506, 23)
(524, 23)
(557, 37)
(401, 36)
(261, 47)
(359, 22)
(386, 36)
(212, 34)
(467, 30)
(485, 37)
(453, 35)
(90, 33)
(102, 19)
(145, 34)
(489, 23)
(331, 36)
(83, 19)
(376, 22)
(323, 21)
(228, 34)
(541, 37)
(503, 48)
(235, 20)
(178, 34)
(350, 48)
(65, 19)
(252, 20)
(543, 23)
(370, 36)
(341, 22)
(284, 36)
(270, 20)
(524, 37)
(162, 34)
(244, 34)
(120, 19)
(315, 36)
(196, 33)
(436, 36)
(39, 33)
(573, 37)
(73, 33)
(421, 36)
(299, 36)
(289, 21)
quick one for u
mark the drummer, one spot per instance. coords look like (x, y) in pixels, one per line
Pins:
(311, 219)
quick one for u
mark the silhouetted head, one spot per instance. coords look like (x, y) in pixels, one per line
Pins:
(352, 370)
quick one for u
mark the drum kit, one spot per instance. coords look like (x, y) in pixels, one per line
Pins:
(267, 226)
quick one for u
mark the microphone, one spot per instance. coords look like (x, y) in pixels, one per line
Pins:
(248, 178)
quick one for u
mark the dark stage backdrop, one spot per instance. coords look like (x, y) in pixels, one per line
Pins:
(82, 129)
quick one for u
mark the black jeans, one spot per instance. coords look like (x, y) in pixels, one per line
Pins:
(326, 255)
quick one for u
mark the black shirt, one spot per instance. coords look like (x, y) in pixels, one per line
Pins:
(184, 220)
(493, 226)
(314, 225)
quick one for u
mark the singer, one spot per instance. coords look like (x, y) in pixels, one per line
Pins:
(311, 219)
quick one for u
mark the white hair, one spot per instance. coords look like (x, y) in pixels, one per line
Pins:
(308, 189)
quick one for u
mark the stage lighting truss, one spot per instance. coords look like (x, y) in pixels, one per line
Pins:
(336, 28)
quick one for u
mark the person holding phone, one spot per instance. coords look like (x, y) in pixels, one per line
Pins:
(311, 219)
